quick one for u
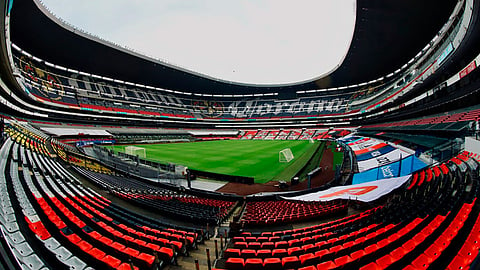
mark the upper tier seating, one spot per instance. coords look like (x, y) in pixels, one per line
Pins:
(93, 93)
(444, 121)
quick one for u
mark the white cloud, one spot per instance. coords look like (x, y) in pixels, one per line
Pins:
(262, 41)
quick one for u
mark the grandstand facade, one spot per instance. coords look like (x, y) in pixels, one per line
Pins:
(401, 116)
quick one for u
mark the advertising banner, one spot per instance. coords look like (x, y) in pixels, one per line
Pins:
(365, 192)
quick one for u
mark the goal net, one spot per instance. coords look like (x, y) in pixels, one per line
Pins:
(135, 150)
(285, 155)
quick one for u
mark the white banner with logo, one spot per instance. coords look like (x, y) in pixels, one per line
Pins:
(382, 160)
(365, 192)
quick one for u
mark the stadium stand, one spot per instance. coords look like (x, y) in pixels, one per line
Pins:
(167, 201)
(416, 228)
(70, 218)
(63, 209)
(272, 212)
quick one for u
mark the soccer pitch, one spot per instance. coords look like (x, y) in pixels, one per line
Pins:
(249, 158)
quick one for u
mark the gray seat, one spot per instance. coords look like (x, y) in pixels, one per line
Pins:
(33, 262)
(11, 227)
(6, 203)
(10, 217)
(30, 213)
(62, 253)
(75, 263)
(51, 243)
(15, 238)
(24, 249)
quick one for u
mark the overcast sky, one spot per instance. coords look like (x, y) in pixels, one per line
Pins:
(248, 41)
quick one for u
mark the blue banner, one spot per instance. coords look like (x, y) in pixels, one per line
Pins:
(400, 168)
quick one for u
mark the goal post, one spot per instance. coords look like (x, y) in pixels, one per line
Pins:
(285, 155)
(135, 150)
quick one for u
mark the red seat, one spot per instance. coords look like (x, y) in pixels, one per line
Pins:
(126, 266)
(272, 264)
(309, 259)
(342, 260)
(131, 252)
(422, 262)
(238, 239)
(39, 229)
(231, 252)
(433, 251)
(309, 248)
(96, 253)
(274, 239)
(291, 262)
(149, 259)
(469, 251)
(262, 239)
(413, 182)
(418, 238)
(421, 178)
(383, 243)
(392, 238)
(326, 265)
(311, 267)
(281, 244)
(111, 261)
(264, 253)
(248, 253)
(348, 245)
(95, 235)
(268, 245)
(398, 253)
(253, 264)
(335, 249)
(459, 262)
(307, 240)
(429, 175)
(85, 246)
(321, 253)
(370, 266)
(235, 263)
(294, 243)
(409, 245)
(384, 261)
(360, 240)
(117, 246)
(105, 240)
(295, 251)
(254, 245)
(370, 249)
(240, 245)
(279, 253)
(250, 239)
(74, 238)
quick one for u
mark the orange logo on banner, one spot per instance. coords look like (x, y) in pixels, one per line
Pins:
(356, 191)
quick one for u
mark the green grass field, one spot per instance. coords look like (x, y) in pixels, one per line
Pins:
(257, 159)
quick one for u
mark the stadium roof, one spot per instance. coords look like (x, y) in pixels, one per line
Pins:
(397, 29)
